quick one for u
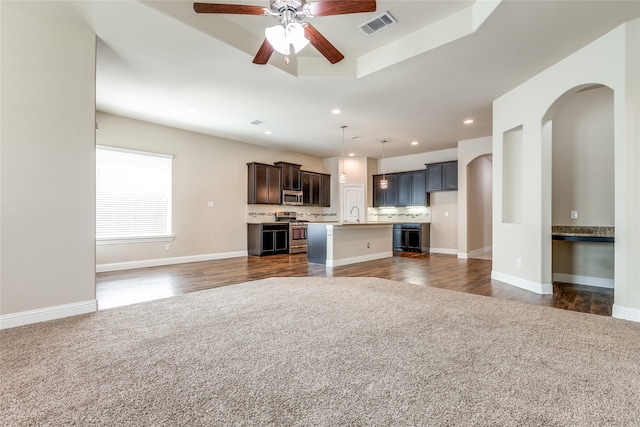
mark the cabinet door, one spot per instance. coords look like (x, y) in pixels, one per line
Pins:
(434, 177)
(404, 189)
(296, 183)
(315, 190)
(450, 176)
(286, 175)
(418, 188)
(260, 184)
(325, 186)
(397, 238)
(391, 196)
(290, 176)
(412, 240)
(385, 197)
(274, 185)
(268, 241)
(378, 193)
(311, 195)
(306, 188)
(281, 241)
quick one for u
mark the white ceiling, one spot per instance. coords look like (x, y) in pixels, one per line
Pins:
(415, 81)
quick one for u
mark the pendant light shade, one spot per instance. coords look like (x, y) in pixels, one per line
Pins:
(342, 175)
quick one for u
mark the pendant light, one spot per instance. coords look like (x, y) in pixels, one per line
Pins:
(383, 182)
(342, 175)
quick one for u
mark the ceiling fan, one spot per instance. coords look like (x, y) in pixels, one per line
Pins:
(292, 31)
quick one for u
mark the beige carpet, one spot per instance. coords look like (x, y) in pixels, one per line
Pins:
(323, 351)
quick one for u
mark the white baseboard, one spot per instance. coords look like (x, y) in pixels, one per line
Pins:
(100, 268)
(626, 313)
(463, 255)
(538, 288)
(443, 251)
(48, 313)
(480, 251)
(583, 280)
(362, 258)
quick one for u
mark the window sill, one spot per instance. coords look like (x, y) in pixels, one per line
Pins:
(128, 240)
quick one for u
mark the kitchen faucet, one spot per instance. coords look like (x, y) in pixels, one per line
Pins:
(351, 212)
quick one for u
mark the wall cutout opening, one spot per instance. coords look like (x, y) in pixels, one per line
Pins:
(512, 176)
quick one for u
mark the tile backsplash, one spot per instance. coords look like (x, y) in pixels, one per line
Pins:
(409, 214)
(267, 213)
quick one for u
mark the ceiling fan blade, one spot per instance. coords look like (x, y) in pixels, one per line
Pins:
(341, 7)
(322, 44)
(237, 9)
(264, 53)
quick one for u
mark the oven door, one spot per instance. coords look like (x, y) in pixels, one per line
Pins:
(297, 238)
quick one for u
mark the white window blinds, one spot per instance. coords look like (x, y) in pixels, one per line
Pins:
(133, 194)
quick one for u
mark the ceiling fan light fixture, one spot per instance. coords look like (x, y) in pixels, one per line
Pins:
(295, 35)
(277, 38)
(281, 38)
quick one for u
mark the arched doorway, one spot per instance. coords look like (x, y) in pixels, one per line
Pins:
(479, 207)
(579, 131)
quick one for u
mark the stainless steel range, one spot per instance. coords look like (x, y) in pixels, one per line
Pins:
(297, 231)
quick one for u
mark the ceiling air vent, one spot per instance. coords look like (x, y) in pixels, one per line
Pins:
(378, 23)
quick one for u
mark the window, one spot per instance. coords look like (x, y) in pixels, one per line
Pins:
(133, 195)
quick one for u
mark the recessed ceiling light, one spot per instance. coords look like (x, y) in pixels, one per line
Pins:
(256, 122)
(352, 154)
(336, 111)
(414, 143)
(468, 121)
(267, 132)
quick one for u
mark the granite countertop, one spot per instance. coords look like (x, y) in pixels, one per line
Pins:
(583, 233)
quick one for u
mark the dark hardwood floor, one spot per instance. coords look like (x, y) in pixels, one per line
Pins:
(437, 270)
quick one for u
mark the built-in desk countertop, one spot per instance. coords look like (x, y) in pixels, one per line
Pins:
(583, 233)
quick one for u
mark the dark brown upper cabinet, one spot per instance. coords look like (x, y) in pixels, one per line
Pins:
(316, 189)
(265, 184)
(290, 176)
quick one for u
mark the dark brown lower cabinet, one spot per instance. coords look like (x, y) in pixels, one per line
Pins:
(411, 237)
(267, 239)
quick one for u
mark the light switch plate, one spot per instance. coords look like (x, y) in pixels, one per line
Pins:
(574, 214)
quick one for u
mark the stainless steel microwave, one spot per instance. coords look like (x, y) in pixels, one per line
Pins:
(292, 197)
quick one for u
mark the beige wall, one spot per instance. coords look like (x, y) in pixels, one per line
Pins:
(583, 159)
(47, 78)
(444, 222)
(205, 168)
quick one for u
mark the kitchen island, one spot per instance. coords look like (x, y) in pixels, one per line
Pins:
(342, 243)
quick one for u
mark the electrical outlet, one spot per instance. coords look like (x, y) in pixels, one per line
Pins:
(368, 245)
(210, 204)
(167, 247)
(574, 214)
